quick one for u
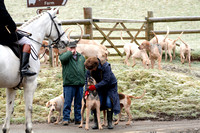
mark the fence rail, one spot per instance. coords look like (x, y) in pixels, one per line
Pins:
(174, 19)
(113, 20)
(79, 21)
(147, 26)
(178, 32)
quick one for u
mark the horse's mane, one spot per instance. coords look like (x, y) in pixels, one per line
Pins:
(31, 20)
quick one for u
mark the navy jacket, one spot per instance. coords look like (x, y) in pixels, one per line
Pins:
(106, 84)
(7, 35)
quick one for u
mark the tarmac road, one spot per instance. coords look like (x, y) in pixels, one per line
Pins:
(184, 126)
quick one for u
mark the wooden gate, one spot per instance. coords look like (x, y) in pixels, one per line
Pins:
(117, 22)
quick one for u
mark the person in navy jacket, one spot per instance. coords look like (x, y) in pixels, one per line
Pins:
(10, 36)
(106, 87)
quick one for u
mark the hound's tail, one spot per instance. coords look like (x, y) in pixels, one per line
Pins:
(166, 34)
(122, 38)
(139, 96)
(186, 45)
(155, 36)
(178, 38)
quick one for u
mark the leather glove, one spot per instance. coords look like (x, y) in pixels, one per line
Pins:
(92, 87)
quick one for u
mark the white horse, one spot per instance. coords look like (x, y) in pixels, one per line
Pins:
(41, 26)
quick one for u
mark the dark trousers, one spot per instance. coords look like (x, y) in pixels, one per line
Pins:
(108, 101)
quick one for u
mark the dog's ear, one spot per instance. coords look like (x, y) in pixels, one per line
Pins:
(47, 104)
(146, 44)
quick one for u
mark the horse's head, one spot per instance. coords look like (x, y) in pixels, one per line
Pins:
(56, 33)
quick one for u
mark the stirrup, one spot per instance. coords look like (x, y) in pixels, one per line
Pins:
(27, 72)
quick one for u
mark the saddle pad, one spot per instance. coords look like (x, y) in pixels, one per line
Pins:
(17, 49)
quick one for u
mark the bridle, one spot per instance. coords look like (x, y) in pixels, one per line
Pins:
(56, 41)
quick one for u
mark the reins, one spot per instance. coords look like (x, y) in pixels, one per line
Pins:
(43, 54)
(50, 45)
(54, 42)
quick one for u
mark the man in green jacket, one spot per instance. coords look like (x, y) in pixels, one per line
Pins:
(73, 73)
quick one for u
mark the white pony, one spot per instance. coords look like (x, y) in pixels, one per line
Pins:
(41, 26)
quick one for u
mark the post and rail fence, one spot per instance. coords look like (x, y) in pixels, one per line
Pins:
(147, 26)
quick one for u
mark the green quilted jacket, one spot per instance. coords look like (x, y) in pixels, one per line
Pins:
(73, 71)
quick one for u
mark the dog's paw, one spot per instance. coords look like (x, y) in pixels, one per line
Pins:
(100, 128)
(56, 123)
(80, 126)
(133, 65)
(86, 128)
(115, 123)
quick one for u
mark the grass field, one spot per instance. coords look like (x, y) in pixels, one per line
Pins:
(123, 9)
(172, 93)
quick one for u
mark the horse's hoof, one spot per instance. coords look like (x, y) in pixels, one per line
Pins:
(5, 130)
(29, 131)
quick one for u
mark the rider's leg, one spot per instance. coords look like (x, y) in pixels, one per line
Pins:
(25, 61)
(25, 57)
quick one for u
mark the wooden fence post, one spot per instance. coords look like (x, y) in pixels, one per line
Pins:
(51, 55)
(149, 26)
(88, 15)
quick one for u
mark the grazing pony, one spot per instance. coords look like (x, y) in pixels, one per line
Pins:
(41, 26)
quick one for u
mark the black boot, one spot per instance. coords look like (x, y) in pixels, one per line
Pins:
(110, 118)
(95, 120)
(25, 61)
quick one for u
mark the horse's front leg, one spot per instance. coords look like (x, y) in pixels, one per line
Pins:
(29, 89)
(10, 97)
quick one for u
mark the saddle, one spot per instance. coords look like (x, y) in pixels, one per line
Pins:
(16, 48)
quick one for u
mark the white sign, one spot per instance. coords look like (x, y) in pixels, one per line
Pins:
(45, 3)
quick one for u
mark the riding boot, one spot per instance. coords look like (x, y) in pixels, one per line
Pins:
(95, 120)
(110, 118)
(25, 61)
